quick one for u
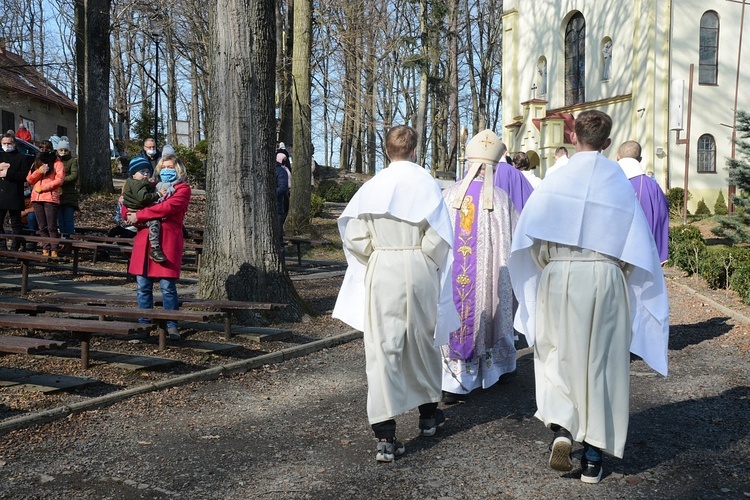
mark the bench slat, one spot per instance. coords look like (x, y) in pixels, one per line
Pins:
(27, 345)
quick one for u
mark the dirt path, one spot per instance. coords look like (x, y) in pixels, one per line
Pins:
(299, 430)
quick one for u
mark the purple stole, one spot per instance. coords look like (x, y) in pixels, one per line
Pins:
(513, 182)
(465, 271)
(656, 209)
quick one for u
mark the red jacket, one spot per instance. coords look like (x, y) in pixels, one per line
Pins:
(24, 134)
(171, 212)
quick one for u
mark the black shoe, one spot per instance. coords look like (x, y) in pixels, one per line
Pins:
(157, 255)
(429, 426)
(451, 398)
(591, 472)
(562, 445)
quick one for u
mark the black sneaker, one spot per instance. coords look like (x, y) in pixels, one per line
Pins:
(157, 255)
(429, 426)
(389, 449)
(562, 445)
(591, 472)
(451, 398)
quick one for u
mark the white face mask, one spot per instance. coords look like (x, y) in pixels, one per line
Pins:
(151, 152)
(8, 148)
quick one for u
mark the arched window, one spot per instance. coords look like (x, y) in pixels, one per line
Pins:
(708, 68)
(575, 60)
(706, 153)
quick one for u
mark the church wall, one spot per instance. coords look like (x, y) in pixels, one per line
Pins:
(713, 105)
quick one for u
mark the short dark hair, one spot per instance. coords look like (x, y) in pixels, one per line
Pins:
(521, 161)
(561, 149)
(593, 128)
(8, 135)
(400, 142)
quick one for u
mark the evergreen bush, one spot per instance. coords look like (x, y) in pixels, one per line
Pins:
(676, 198)
(702, 209)
(720, 207)
(739, 281)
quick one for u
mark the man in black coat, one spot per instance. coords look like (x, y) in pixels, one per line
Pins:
(13, 169)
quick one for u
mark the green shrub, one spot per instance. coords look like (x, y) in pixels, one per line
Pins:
(328, 189)
(348, 190)
(720, 207)
(317, 204)
(740, 279)
(676, 198)
(686, 248)
(716, 267)
(702, 208)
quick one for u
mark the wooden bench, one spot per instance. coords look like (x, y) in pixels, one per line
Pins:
(127, 243)
(225, 306)
(82, 328)
(161, 316)
(24, 258)
(27, 345)
(294, 240)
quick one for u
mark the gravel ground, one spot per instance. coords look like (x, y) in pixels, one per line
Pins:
(299, 430)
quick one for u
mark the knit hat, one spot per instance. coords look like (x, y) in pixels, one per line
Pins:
(167, 150)
(63, 143)
(137, 164)
(282, 145)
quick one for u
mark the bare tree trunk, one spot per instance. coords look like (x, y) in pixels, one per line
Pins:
(171, 86)
(454, 120)
(298, 221)
(93, 97)
(421, 121)
(195, 116)
(242, 257)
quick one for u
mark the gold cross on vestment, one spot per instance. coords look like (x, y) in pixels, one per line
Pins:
(487, 142)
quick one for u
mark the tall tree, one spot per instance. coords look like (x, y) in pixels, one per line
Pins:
(242, 256)
(93, 62)
(737, 226)
(298, 221)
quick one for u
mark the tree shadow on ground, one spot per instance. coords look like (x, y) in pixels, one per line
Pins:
(712, 424)
(514, 400)
(682, 336)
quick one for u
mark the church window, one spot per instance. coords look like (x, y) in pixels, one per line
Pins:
(706, 154)
(575, 60)
(708, 67)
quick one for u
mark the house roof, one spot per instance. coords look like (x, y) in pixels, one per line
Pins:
(16, 75)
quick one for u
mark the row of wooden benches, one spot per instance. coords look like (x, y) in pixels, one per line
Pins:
(26, 315)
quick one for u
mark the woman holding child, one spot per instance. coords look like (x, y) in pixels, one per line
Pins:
(170, 210)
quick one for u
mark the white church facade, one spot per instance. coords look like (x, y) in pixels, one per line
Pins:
(631, 60)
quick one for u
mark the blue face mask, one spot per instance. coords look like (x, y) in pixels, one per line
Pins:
(168, 175)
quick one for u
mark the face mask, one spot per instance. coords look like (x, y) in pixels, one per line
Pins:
(151, 152)
(168, 175)
(8, 148)
(65, 157)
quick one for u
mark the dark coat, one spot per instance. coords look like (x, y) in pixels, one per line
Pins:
(171, 212)
(69, 189)
(139, 194)
(153, 160)
(11, 186)
(282, 190)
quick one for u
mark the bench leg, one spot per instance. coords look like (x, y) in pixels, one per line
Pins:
(75, 262)
(85, 341)
(24, 277)
(228, 325)
(162, 335)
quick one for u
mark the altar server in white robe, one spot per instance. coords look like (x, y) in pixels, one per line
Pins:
(397, 240)
(587, 275)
